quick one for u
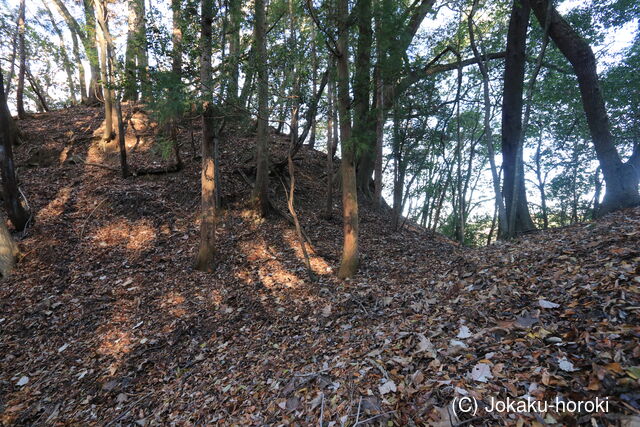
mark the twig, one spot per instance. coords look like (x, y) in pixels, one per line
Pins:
(124, 414)
(373, 418)
(89, 217)
(358, 414)
(322, 410)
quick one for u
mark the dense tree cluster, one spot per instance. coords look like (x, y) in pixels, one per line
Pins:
(481, 120)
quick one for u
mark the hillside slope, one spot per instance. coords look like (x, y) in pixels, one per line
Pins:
(106, 322)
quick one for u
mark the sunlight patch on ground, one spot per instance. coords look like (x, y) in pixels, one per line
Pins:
(135, 237)
(56, 207)
(173, 302)
(116, 343)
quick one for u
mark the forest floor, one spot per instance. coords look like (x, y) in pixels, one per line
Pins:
(105, 321)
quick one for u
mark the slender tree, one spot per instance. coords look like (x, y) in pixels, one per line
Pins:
(208, 179)
(260, 194)
(22, 66)
(350, 257)
(105, 77)
(176, 37)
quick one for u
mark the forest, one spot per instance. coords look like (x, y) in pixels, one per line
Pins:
(320, 212)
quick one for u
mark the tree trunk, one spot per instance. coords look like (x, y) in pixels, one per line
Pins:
(350, 259)
(66, 63)
(235, 15)
(328, 212)
(361, 87)
(207, 250)
(141, 50)
(23, 61)
(621, 178)
(78, 60)
(314, 85)
(379, 85)
(176, 37)
(14, 50)
(295, 85)
(8, 250)
(101, 14)
(260, 194)
(18, 215)
(131, 54)
(90, 41)
(512, 160)
(482, 65)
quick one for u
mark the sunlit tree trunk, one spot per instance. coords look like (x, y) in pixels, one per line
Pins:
(260, 194)
(101, 14)
(90, 41)
(207, 250)
(350, 258)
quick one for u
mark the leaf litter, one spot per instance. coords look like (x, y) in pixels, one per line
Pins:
(107, 279)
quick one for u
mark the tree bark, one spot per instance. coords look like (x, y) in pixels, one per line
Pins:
(328, 211)
(621, 178)
(176, 37)
(260, 194)
(101, 15)
(18, 215)
(361, 86)
(512, 160)
(235, 15)
(482, 65)
(207, 250)
(131, 54)
(90, 42)
(350, 258)
(22, 66)
(78, 59)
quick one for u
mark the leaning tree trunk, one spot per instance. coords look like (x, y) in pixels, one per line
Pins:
(350, 259)
(18, 215)
(621, 178)
(260, 194)
(207, 250)
(23, 62)
(512, 161)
